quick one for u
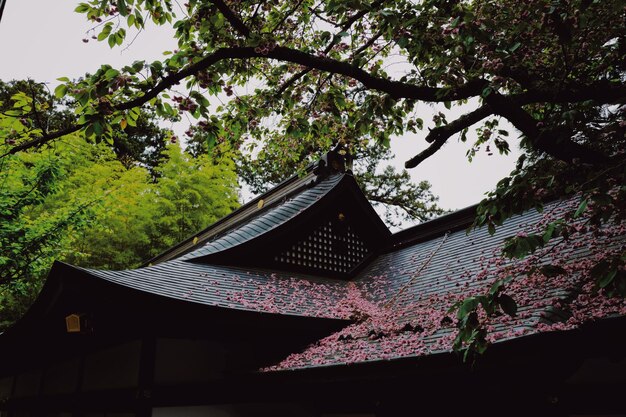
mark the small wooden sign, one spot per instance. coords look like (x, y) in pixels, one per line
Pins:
(72, 323)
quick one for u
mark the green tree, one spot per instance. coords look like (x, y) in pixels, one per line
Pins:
(32, 233)
(76, 202)
(143, 143)
(140, 218)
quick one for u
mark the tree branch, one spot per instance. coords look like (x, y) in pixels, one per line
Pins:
(2, 3)
(560, 145)
(439, 135)
(555, 142)
(395, 89)
(603, 91)
(343, 26)
(41, 140)
(232, 18)
(506, 107)
(369, 43)
(286, 16)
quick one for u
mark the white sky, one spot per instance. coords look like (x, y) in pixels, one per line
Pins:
(42, 39)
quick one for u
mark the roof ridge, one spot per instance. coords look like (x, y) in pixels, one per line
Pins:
(333, 162)
(235, 218)
(270, 218)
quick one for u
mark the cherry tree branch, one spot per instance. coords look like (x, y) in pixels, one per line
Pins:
(555, 142)
(439, 135)
(234, 20)
(2, 3)
(560, 146)
(41, 140)
(369, 43)
(510, 107)
(395, 89)
(343, 26)
(286, 16)
(603, 91)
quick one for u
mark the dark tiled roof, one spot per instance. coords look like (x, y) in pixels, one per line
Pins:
(249, 210)
(232, 287)
(268, 219)
(415, 284)
(235, 287)
(249, 288)
(399, 300)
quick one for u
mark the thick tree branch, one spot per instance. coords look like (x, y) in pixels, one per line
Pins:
(555, 142)
(395, 89)
(343, 26)
(2, 3)
(439, 135)
(41, 140)
(602, 92)
(506, 107)
(605, 92)
(232, 18)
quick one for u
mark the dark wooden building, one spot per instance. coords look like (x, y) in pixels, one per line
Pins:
(301, 303)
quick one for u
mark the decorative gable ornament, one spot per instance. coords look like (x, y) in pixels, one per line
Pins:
(333, 247)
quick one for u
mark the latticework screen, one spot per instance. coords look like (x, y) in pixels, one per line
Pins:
(333, 247)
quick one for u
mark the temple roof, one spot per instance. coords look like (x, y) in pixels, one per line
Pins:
(231, 287)
(313, 248)
(269, 219)
(410, 289)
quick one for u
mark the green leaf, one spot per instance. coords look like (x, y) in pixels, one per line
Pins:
(605, 280)
(82, 8)
(547, 235)
(552, 270)
(581, 208)
(131, 121)
(121, 7)
(106, 30)
(98, 129)
(120, 35)
(495, 288)
(111, 73)
(467, 306)
(60, 91)
(508, 305)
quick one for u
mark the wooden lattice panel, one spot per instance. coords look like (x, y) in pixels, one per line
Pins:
(334, 248)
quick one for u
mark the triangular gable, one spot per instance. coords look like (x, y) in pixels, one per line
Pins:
(268, 218)
(329, 229)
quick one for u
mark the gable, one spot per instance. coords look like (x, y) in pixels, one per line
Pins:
(335, 246)
(327, 230)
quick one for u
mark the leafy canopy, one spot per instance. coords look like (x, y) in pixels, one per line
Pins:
(77, 202)
(320, 75)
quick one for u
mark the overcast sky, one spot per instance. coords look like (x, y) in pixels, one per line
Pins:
(42, 39)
